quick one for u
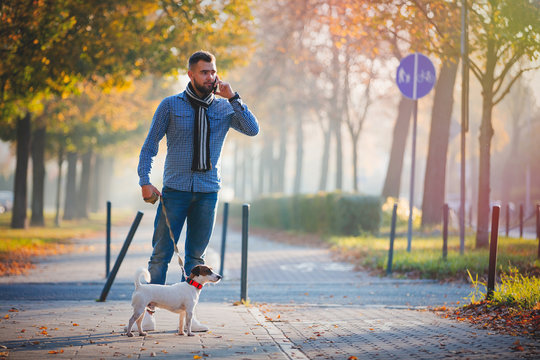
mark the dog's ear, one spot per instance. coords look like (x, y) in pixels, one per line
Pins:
(196, 271)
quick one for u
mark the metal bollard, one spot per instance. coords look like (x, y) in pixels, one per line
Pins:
(392, 237)
(521, 221)
(493, 251)
(245, 230)
(445, 232)
(120, 257)
(108, 241)
(224, 237)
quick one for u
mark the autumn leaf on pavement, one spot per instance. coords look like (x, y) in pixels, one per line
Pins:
(517, 346)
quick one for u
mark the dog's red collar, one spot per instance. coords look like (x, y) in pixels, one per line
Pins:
(194, 283)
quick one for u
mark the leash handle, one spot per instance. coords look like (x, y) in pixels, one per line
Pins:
(180, 262)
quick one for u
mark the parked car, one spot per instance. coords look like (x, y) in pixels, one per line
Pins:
(6, 201)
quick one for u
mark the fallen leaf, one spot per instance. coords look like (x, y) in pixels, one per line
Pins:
(56, 351)
(352, 358)
(13, 310)
(196, 357)
(75, 324)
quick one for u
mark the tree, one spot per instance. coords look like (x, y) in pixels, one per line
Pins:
(48, 46)
(504, 35)
(428, 27)
(444, 41)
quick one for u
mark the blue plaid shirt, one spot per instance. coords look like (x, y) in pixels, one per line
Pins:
(174, 117)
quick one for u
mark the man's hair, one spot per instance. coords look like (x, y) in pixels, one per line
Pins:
(200, 55)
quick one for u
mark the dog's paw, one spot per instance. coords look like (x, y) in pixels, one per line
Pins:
(190, 334)
(142, 333)
(130, 334)
(180, 333)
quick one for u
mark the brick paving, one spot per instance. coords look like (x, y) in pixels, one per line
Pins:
(302, 305)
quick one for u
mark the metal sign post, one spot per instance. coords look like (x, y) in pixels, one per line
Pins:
(415, 77)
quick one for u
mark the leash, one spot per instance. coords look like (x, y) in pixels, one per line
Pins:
(152, 199)
(180, 262)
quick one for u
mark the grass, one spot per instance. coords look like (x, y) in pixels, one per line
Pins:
(425, 259)
(514, 290)
(18, 247)
(515, 305)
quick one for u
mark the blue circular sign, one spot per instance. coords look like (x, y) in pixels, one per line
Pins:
(415, 76)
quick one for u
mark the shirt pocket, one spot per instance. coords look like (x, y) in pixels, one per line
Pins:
(181, 124)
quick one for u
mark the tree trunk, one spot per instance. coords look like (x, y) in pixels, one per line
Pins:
(282, 152)
(84, 185)
(392, 182)
(236, 169)
(18, 216)
(265, 176)
(486, 134)
(323, 182)
(355, 162)
(38, 175)
(243, 169)
(108, 177)
(299, 152)
(511, 167)
(441, 117)
(70, 201)
(59, 184)
(97, 199)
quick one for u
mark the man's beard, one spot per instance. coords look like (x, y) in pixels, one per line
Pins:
(202, 89)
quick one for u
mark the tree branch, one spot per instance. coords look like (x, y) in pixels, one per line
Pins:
(500, 79)
(516, 77)
(476, 70)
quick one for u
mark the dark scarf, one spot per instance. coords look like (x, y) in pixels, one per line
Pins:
(201, 134)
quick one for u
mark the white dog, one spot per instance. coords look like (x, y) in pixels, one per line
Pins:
(180, 298)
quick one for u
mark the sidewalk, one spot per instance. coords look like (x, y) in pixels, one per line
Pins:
(303, 306)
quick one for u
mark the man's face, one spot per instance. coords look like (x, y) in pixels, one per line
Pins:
(202, 76)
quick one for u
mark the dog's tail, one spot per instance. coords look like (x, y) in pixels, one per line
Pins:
(138, 274)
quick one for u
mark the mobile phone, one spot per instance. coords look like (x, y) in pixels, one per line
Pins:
(215, 85)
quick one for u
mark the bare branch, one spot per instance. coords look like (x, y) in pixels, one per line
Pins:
(476, 70)
(509, 86)
(499, 80)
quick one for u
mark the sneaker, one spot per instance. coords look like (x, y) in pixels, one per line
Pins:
(196, 326)
(149, 321)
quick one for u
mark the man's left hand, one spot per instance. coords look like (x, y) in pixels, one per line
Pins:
(224, 89)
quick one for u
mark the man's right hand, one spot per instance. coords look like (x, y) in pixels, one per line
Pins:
(148, 190)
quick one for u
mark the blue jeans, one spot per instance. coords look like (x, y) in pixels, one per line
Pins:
(200, 210)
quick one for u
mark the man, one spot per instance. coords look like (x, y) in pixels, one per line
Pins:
(196, 124)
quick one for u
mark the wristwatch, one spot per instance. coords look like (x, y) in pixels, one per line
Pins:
(235, 97)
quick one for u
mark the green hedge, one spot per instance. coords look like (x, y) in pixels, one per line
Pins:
(323, 213)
